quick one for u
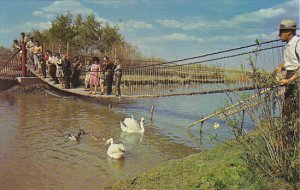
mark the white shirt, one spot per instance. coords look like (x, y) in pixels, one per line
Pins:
(30, 45)
(55, 60)
(118, 67)
(290, 59)
(50, 59)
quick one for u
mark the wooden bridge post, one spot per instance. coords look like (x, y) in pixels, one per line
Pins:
(23, 49)
(201, 128)
(152, 108)
(201, 134)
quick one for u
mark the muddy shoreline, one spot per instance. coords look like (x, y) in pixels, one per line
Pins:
(7, 83)
(11, 85)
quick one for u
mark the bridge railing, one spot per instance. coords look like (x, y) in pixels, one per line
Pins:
(10, 64)
(211, 72)
(219, 71)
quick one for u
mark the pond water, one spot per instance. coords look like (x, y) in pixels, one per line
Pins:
(35, 152)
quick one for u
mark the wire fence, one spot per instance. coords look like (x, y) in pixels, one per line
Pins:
(10, 64)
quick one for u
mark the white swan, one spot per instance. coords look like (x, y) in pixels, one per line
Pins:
(130, 125)
(217, 125)
(115, 151)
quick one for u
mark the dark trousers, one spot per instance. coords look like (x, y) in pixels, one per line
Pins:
(67, 78)
(43, 66)
(109, 82)
(75, 78)
(118, 78)
(53, 73)
(290, 110)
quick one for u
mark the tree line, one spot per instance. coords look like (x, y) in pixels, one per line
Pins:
(87, 36)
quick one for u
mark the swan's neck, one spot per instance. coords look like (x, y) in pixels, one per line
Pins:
(111, 141)
(142, 126)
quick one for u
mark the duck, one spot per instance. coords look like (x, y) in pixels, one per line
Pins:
(94, 137)
(115, 151)
(130, 125)
(82, 132)
(76, 138)
(217, 125)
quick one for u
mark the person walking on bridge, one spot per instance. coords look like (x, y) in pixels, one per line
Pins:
(29, 48)
(291, 64)
(17, 47)
(109, 74)
(118, 75)
(87, 74)
(67, 71)
(23, 38)
(48, 59)
(37, 55)
(94, 75)
(75, 77)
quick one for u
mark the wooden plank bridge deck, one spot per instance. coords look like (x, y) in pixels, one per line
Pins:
(80, 92)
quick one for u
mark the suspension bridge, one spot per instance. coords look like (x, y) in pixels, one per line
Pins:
(222, 71)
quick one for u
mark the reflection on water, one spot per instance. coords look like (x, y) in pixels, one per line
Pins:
(132, 138)
(35, 152)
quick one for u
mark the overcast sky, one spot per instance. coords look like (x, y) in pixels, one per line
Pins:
(170, 29)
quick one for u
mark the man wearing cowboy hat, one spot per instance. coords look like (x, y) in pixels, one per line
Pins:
(291, 63)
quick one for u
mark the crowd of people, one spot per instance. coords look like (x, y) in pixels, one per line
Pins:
(67, 72)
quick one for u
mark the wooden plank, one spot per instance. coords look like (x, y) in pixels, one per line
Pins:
(228, 111)
(246, 106)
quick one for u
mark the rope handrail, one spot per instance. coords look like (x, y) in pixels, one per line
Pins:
(192, 63)
(164, 64)
(209, 54)
(224, 57)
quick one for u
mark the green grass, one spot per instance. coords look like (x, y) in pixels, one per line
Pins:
(219, 168)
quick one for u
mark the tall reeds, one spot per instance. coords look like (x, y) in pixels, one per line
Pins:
(273, 147)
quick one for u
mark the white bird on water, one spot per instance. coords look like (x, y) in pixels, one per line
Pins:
(130, 125)
(217, 125)
(115, 151)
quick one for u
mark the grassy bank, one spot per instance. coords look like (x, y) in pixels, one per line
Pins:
(219, 168)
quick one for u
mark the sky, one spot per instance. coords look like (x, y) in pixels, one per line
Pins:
(168, 29)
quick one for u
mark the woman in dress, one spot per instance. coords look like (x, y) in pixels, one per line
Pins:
(94, 75)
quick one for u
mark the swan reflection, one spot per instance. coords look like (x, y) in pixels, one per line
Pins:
(132, 138)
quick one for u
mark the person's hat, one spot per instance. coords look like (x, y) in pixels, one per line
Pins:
(31, 37)
(288, 24)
